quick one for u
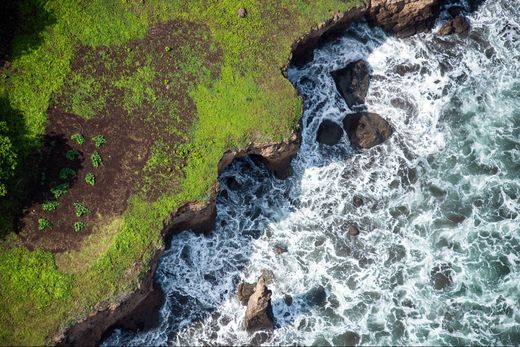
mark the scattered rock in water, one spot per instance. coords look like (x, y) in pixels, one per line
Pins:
(357, 201)
(288, 299)
(352, 82)
(232, 184)
(366, 129)
(441, 276)
(348, 338)
(244, 292)
(456, 218)
(242, 12)
(259, 312)
(317, 296)
(353, 230)
(329, 133)
(457, 25)
(279, 249)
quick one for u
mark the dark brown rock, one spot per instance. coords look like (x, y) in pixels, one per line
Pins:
(348, 338)
(457, 25)
(353, 230)
(288, 299)
(357, 201)
(242, 12)
(329, 133)
(366, 130)
(352, 82)
(259, 315)
(441, 276)
(244, 292)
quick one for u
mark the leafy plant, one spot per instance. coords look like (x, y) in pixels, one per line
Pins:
(50, 205)
(167, 48)
(60, 190)
(72, 154)
(78, 226)
(99, 140)
(80, 209)
(90, 179)
(67, 173)
(96, 159)
(80, 139)
(43, 224)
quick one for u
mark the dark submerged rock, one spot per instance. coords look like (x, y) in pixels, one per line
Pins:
(366, 130)
(357, 201)
(352, 82)
(457, 25)
(259, 312)
(348, 338)
(317, 296)
(329, 133)
(441, 276)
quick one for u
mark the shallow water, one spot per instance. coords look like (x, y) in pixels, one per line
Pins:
(441, 193)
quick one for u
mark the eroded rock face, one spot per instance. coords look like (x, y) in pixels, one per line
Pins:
(403, 17)
(259, 315)
(366, 130)
(244, 292)
(329, 133)
(457, 25)
(352, 82)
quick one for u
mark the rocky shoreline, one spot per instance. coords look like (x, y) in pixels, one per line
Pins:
(139, 310)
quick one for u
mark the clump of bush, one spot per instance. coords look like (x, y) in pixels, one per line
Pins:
(43, 224)
(7, 158)
(72, 154)
(80, 139)
(78, 226)
(67, 173)
(99, 140)
(167, 49)
(59, 190)
(50, 205)
(96, 160)
(90, 178)
(80, 209)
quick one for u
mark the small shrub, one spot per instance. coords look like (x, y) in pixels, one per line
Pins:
(96, 159)
(80, 209)
(90, 179)
(80, 139)
(67, 173)
(72, 154)
(50, 205)
(129, 49)
(166, 81)
(99, 140)
(43, 224)
(167, 48)
(60, 190)
(78, 226)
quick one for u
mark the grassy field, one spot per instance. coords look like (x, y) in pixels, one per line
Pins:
(98, 60)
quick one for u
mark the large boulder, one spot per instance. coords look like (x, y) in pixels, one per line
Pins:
(329, 133)
(259, 312)
(366, 130)
(457, 25)
(352, 82)
(244, 292)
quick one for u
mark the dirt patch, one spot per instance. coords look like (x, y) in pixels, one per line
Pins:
(135, 96)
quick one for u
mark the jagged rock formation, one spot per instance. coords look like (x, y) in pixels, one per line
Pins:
(352, 82)
(259, 315)
(329, 133)
(366, 130)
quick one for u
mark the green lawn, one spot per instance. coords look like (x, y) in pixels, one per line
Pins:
(248, 101)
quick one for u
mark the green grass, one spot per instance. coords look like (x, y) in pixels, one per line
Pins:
(249, 100)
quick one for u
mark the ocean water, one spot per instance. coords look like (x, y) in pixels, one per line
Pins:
(442, 193)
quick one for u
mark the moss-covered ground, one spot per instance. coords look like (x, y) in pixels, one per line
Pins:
(183, 81)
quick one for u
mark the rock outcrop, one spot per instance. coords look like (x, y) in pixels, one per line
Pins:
(352, 82)
(366, 130)
(457, 25)
(244, 292)
(329, 133)
(259, 315)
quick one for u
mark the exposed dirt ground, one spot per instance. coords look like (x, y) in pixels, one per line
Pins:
(152, 113)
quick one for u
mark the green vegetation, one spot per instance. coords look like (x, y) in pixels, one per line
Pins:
(50, 205)
(232, 93)
(80, 209)
(72, 154)
(90, 178)
(43, 224)
(67, 173)
(96, 160)
(59, 190)
(99, 140)
(78, 138)
(79, 226)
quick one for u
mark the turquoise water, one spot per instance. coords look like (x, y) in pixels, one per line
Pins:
(441, 194)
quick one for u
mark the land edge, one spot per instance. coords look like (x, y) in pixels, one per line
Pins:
(276, 156)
